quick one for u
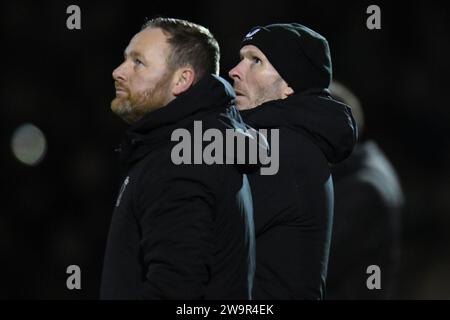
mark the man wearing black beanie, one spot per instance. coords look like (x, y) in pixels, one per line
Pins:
(282, 83)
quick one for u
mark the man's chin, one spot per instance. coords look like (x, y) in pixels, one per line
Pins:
(242, 103)
(122, 108)
(117, 105)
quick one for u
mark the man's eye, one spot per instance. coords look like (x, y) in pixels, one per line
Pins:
(256, 60)
(137, 61)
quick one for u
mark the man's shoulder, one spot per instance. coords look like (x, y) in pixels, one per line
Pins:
(299, 152)
(215, 119)
(299, 144)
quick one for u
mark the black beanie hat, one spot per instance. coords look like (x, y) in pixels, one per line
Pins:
(300, 55)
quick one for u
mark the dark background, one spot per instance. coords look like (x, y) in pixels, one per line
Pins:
(57, 213)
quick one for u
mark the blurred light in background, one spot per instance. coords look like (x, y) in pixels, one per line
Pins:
(28, 144)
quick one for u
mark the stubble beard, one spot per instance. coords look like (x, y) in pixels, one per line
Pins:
(263, 94)
(269, 93)
(132, 107)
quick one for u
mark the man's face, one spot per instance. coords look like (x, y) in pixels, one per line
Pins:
(256, 80)
(143, 80)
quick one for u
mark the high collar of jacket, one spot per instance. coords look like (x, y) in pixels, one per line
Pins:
(327, 122)
(208, 94)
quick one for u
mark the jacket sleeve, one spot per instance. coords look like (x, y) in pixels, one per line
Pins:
(176, 240)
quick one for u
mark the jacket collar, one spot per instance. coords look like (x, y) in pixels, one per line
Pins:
(210, 93)
(327, 122)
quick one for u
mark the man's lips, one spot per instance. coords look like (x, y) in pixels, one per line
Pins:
(239, 93)
(120, 90)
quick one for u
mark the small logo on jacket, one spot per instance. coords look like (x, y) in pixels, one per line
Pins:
(250, 35)
(122, 189)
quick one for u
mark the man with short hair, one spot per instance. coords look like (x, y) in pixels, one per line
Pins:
(178, 231)
(281, 83)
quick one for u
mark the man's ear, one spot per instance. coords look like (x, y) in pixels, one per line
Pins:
(288, 91)
(183, 80)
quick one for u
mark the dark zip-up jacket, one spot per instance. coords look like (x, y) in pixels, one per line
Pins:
(179, 231)
(293, 209)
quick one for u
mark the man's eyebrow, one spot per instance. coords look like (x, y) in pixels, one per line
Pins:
(247, 53)
(132, 54)
(243, 54)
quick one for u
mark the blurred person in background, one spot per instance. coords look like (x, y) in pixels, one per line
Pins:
(368, 202)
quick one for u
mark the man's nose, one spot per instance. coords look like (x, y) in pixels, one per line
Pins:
(235, 73)
(119, 73)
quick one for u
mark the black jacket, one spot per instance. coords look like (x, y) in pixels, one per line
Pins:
(178, 231)
(293, 208)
